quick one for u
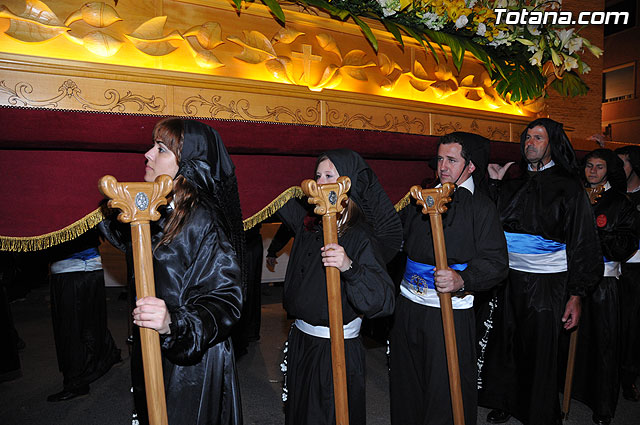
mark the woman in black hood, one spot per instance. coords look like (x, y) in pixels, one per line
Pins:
(197, 260)
(369, 234)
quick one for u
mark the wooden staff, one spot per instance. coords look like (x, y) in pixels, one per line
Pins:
(433, 202)
(329, 199)
(139, 203)
(594, 193)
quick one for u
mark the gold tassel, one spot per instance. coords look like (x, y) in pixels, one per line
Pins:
(35, 243)
(275, 205)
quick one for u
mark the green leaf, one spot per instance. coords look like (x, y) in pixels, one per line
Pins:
(521, 81)
(394, 30)
(238, 4)
(328, 7)
(274, 6)
(420, 39)
(367, 31)
(570, 85)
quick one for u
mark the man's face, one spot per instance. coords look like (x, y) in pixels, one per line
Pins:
(451, 164)
(628, 169)
(536, 145)
(595, 170)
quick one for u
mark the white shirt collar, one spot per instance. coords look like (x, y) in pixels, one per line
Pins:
(544, 167)
(467, 184)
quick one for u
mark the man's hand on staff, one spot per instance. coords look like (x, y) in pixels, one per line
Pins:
(497, 172)
(572, 311)
(333, 255)
(448, 280)
(151, 312)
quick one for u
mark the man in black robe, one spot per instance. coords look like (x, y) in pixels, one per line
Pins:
(630, 286)
(596, 378)
(553, 251)
(477, 257)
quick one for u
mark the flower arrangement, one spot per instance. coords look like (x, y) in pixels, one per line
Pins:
(523, 60)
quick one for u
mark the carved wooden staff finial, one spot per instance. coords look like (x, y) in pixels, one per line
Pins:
(433, 202)
(139, 204)
(594, 193)
(329, 199)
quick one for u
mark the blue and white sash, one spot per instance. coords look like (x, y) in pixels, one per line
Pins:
(418, 286)
(611, 268)
(535, 254)
(84, 261)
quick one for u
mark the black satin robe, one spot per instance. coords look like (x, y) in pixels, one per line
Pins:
(418, 369)
(198, 277)
(367, 290)
(630, 310)
(521, 359)
(596, 379)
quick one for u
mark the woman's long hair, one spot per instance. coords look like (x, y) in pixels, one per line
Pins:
(170, 131)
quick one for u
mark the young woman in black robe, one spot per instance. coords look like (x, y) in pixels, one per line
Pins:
(369, 234)
(197, 259)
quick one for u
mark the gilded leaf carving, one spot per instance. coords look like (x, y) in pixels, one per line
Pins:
(209, 35)
(330, 79)
(387, 65)
(444, 89)
(101, 44)
(256, 49)
(99, 15)
(36, 24)
(148, 37)
(328, 43)
(286, 36)
(419, 78)
(281, 68)
(354, 63)
(206, 59)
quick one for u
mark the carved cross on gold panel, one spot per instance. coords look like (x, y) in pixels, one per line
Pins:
(307, 57)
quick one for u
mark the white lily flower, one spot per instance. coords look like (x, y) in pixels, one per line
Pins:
(536, 59)
(482, 29)
(461, 21)
(574, 44)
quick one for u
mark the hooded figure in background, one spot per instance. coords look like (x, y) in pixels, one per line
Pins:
(369, 233)
(596, 378)
(554, 258)
(477, 256)
(630, 285)
(198, 249)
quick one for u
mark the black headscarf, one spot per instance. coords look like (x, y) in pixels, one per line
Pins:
(562, 152)
(368, 193)
(615, 167)
(633, 152)
(206, 164)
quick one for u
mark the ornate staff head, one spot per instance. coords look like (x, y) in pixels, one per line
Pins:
(433, 201)
(138, 201)
(328, 198)
(594, 193)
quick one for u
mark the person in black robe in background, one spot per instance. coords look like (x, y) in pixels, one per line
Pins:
(477, 253)
(596, 378)
(369, 234)
(630, 286)
(84, 346)
(198, 255)
(554, 253)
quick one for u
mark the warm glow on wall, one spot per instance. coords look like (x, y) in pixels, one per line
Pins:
(218, 44)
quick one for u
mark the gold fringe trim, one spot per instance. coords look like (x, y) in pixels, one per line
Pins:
(35, 243)
(406, 200)
(275, 205)
(91, 220)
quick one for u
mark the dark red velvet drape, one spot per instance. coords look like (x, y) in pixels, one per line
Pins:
(52, 160)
